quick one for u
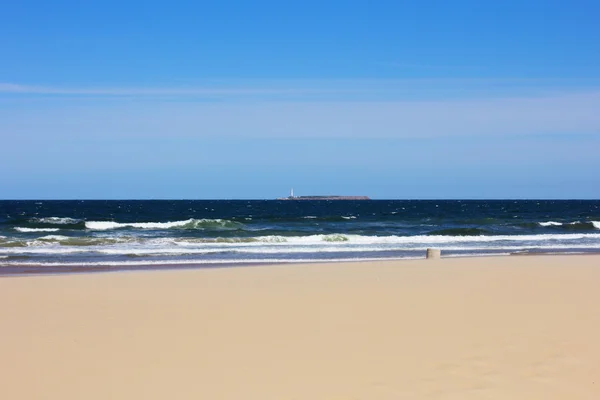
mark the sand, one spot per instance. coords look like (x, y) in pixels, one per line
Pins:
(515, 327)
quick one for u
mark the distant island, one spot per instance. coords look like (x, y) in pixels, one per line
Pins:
(292, 197)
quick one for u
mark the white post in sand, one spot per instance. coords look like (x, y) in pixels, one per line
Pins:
(433, 253)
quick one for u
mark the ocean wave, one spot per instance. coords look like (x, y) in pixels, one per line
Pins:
(579, 226)
(87, 241)
(235, 241)
(52, 247)
(271, 239)
(253, 241)
(420, 249)
(459, 232)
(326, 218)
(66, 241)
(306, 240)
(440, 239)
(55, 220)
(349, 239)
(223, 240)
(53, 237)
(202, 224)
(301, 219)
(29, 230)
(565, 226)
(44, 248)
(162, 251)
(232, 248)
(12, 243)
(335, 238)
(550, 223)
(236, 252)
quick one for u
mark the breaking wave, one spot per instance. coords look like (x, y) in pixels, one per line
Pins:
(216, 224)
(55, 220)
(335, 238)
(30, 230)
(572, 226)
(459, 232)
(313, 240)
(550, 223)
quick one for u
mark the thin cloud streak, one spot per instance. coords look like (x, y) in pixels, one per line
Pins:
(143, 91)
(324, 90)
(574, 113)
(436, 67)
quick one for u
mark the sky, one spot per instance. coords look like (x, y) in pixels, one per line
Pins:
(463, 99)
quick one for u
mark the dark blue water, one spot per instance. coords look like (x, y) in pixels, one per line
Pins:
(140, 233)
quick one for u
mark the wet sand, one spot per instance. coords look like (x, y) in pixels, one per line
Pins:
(466, 328)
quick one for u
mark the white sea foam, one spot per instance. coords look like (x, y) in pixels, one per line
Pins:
(437, 239)
(54, 237)
(359, 249)
(349, 217)
(272, 239)
(342, 239)
(25, 230)
(107, 225)
(231, 249)
(186, 224)
(158, 251)
(45, 248)
(550, 223)
(230, 252)
(595, 224)
(56, 220)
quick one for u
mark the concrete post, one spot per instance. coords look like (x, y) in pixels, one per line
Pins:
(433, 253)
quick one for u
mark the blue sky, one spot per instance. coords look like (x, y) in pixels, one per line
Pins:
(240, 99)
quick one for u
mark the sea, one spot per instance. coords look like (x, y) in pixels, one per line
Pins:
(97, 235)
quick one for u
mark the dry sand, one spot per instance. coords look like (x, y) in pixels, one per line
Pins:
(525, 327)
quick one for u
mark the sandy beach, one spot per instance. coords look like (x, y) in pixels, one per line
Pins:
(513, 327)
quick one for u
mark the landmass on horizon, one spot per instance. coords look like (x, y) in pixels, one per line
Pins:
(320, 197)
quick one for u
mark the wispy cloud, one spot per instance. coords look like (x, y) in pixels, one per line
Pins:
(143, 91)
(560, 113)
(319, 90)
(435, 67)
(296, 109)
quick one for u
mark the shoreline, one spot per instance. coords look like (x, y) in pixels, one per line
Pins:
(37, 270)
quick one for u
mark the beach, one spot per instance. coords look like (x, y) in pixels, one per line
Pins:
(511, 327)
